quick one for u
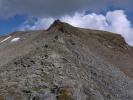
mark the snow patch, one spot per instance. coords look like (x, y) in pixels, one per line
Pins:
(6, 39)
(15, 39)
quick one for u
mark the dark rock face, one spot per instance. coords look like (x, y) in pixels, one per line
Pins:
(66, 63)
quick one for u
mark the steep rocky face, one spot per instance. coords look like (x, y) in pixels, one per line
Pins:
(65, 63)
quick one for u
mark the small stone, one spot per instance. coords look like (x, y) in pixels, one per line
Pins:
(46, 46)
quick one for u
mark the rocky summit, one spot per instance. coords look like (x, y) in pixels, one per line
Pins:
(65, 63)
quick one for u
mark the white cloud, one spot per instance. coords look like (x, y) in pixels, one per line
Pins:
(114, 21)
(39, 24)
(92, 21)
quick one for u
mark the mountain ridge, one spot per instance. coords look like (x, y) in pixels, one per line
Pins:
(66, 63)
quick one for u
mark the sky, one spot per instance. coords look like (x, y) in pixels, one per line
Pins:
(109, 15)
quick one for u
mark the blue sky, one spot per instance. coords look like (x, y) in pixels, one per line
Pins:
(11, 24)
(109, 15)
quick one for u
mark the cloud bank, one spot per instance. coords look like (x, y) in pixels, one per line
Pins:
(44, 8)
(113, 21)
(58, 8)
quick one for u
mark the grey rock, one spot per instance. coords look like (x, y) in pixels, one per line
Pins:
(66, 63)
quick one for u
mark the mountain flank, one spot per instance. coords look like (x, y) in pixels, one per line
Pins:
(65, 63)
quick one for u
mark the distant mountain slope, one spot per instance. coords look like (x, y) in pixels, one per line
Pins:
(65, 63)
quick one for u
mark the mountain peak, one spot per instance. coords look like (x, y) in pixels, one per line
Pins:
(56, 22)
(58, 25)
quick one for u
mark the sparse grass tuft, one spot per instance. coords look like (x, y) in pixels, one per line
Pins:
(64, 95)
